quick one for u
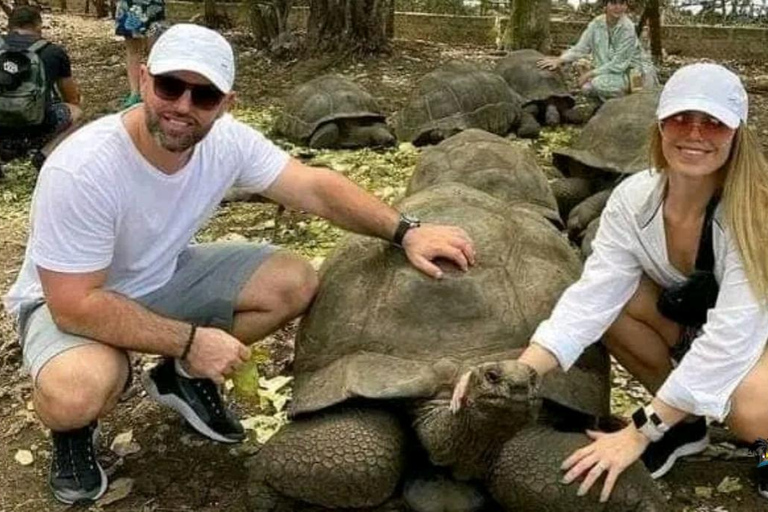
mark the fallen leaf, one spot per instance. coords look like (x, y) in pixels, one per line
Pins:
(123, 444)
(729, 484)
(703, 492)
(24, 457)
(118, 490)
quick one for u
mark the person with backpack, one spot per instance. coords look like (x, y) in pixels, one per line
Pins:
(39, 99)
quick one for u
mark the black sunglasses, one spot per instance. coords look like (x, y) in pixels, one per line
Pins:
(170, 88)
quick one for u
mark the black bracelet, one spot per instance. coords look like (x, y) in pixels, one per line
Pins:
(189, 342)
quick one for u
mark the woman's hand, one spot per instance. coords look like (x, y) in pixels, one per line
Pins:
(612, 452)
(549, 63)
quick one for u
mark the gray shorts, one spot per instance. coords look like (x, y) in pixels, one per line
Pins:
(203, 290)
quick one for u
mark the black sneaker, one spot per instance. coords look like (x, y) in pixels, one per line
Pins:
(197, 400)
(760, 449)
(76, 475)
(685, 438)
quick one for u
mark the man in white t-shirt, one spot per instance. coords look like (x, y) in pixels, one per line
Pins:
(109, 267)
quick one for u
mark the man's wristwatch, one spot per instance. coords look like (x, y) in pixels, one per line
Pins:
(406, 222)
(649, 423)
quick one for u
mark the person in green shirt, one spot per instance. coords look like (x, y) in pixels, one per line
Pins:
(611, 41)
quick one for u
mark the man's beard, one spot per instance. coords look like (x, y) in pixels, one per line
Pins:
(174, 144)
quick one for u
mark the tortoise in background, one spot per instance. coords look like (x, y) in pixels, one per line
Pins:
(331, 111)
(545, 94)
(612, 145)
(459, 96)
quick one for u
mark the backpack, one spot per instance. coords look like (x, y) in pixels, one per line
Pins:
(23, 87)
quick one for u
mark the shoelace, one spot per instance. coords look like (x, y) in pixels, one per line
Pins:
(209, 392)
(67, 449)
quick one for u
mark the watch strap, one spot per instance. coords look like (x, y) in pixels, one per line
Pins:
(403, 226)
(648, 423)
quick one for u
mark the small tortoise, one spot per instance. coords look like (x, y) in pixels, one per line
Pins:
(394, 370)
(612, 145)
(331, 111)
(459, 96)
(544, 91)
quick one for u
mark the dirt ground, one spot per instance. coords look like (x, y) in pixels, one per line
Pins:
(173, 469)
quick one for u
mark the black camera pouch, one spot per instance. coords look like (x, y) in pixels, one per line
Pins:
(687, 304)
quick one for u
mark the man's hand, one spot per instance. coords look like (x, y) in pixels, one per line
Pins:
(215, 354)
(549, 63)
(428, 242)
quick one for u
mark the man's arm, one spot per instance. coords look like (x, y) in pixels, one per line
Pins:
(79, 305)
(330, 195)
(69, 91)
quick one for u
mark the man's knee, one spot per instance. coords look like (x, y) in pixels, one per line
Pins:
(80, 384)
(297, 285)
(285, 282)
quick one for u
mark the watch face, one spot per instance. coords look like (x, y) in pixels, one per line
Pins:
(410, 219)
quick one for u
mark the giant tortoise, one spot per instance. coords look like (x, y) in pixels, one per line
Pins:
(504, 169)
(394, 370)
(612, 145)
(331, 111)
(544, 91)
(458, 96)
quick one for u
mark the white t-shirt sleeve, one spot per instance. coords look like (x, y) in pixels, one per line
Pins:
(261, 161)
(73, 223)
(731, 344)
(590, 305)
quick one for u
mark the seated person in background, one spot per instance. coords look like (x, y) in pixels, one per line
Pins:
(39, 99)
(611, 41)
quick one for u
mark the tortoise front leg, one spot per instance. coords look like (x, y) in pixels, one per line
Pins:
(344, 458)
(527, 476)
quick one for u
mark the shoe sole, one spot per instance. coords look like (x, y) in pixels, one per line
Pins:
(102, 489)
(682, 451)
(184, 409)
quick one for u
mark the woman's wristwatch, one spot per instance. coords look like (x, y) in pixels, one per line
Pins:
(649, 423)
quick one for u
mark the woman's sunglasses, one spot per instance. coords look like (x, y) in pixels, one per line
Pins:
(170, 88)
(680, 126)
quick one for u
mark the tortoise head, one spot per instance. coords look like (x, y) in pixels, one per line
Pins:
(490, 403)
(497, 389)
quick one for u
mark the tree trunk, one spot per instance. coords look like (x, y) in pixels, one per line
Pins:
(63, 5)
(209, 13)
(391, 20)
(528, 25)
(102, 11)
(269, 21)
(654, 23)
(342, 26)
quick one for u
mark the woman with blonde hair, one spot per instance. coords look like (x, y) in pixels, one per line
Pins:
(676, 286)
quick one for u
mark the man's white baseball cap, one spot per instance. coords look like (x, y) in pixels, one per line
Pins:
(187, 47)
(708, 88)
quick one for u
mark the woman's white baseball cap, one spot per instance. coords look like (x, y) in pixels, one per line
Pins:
(708, 88)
